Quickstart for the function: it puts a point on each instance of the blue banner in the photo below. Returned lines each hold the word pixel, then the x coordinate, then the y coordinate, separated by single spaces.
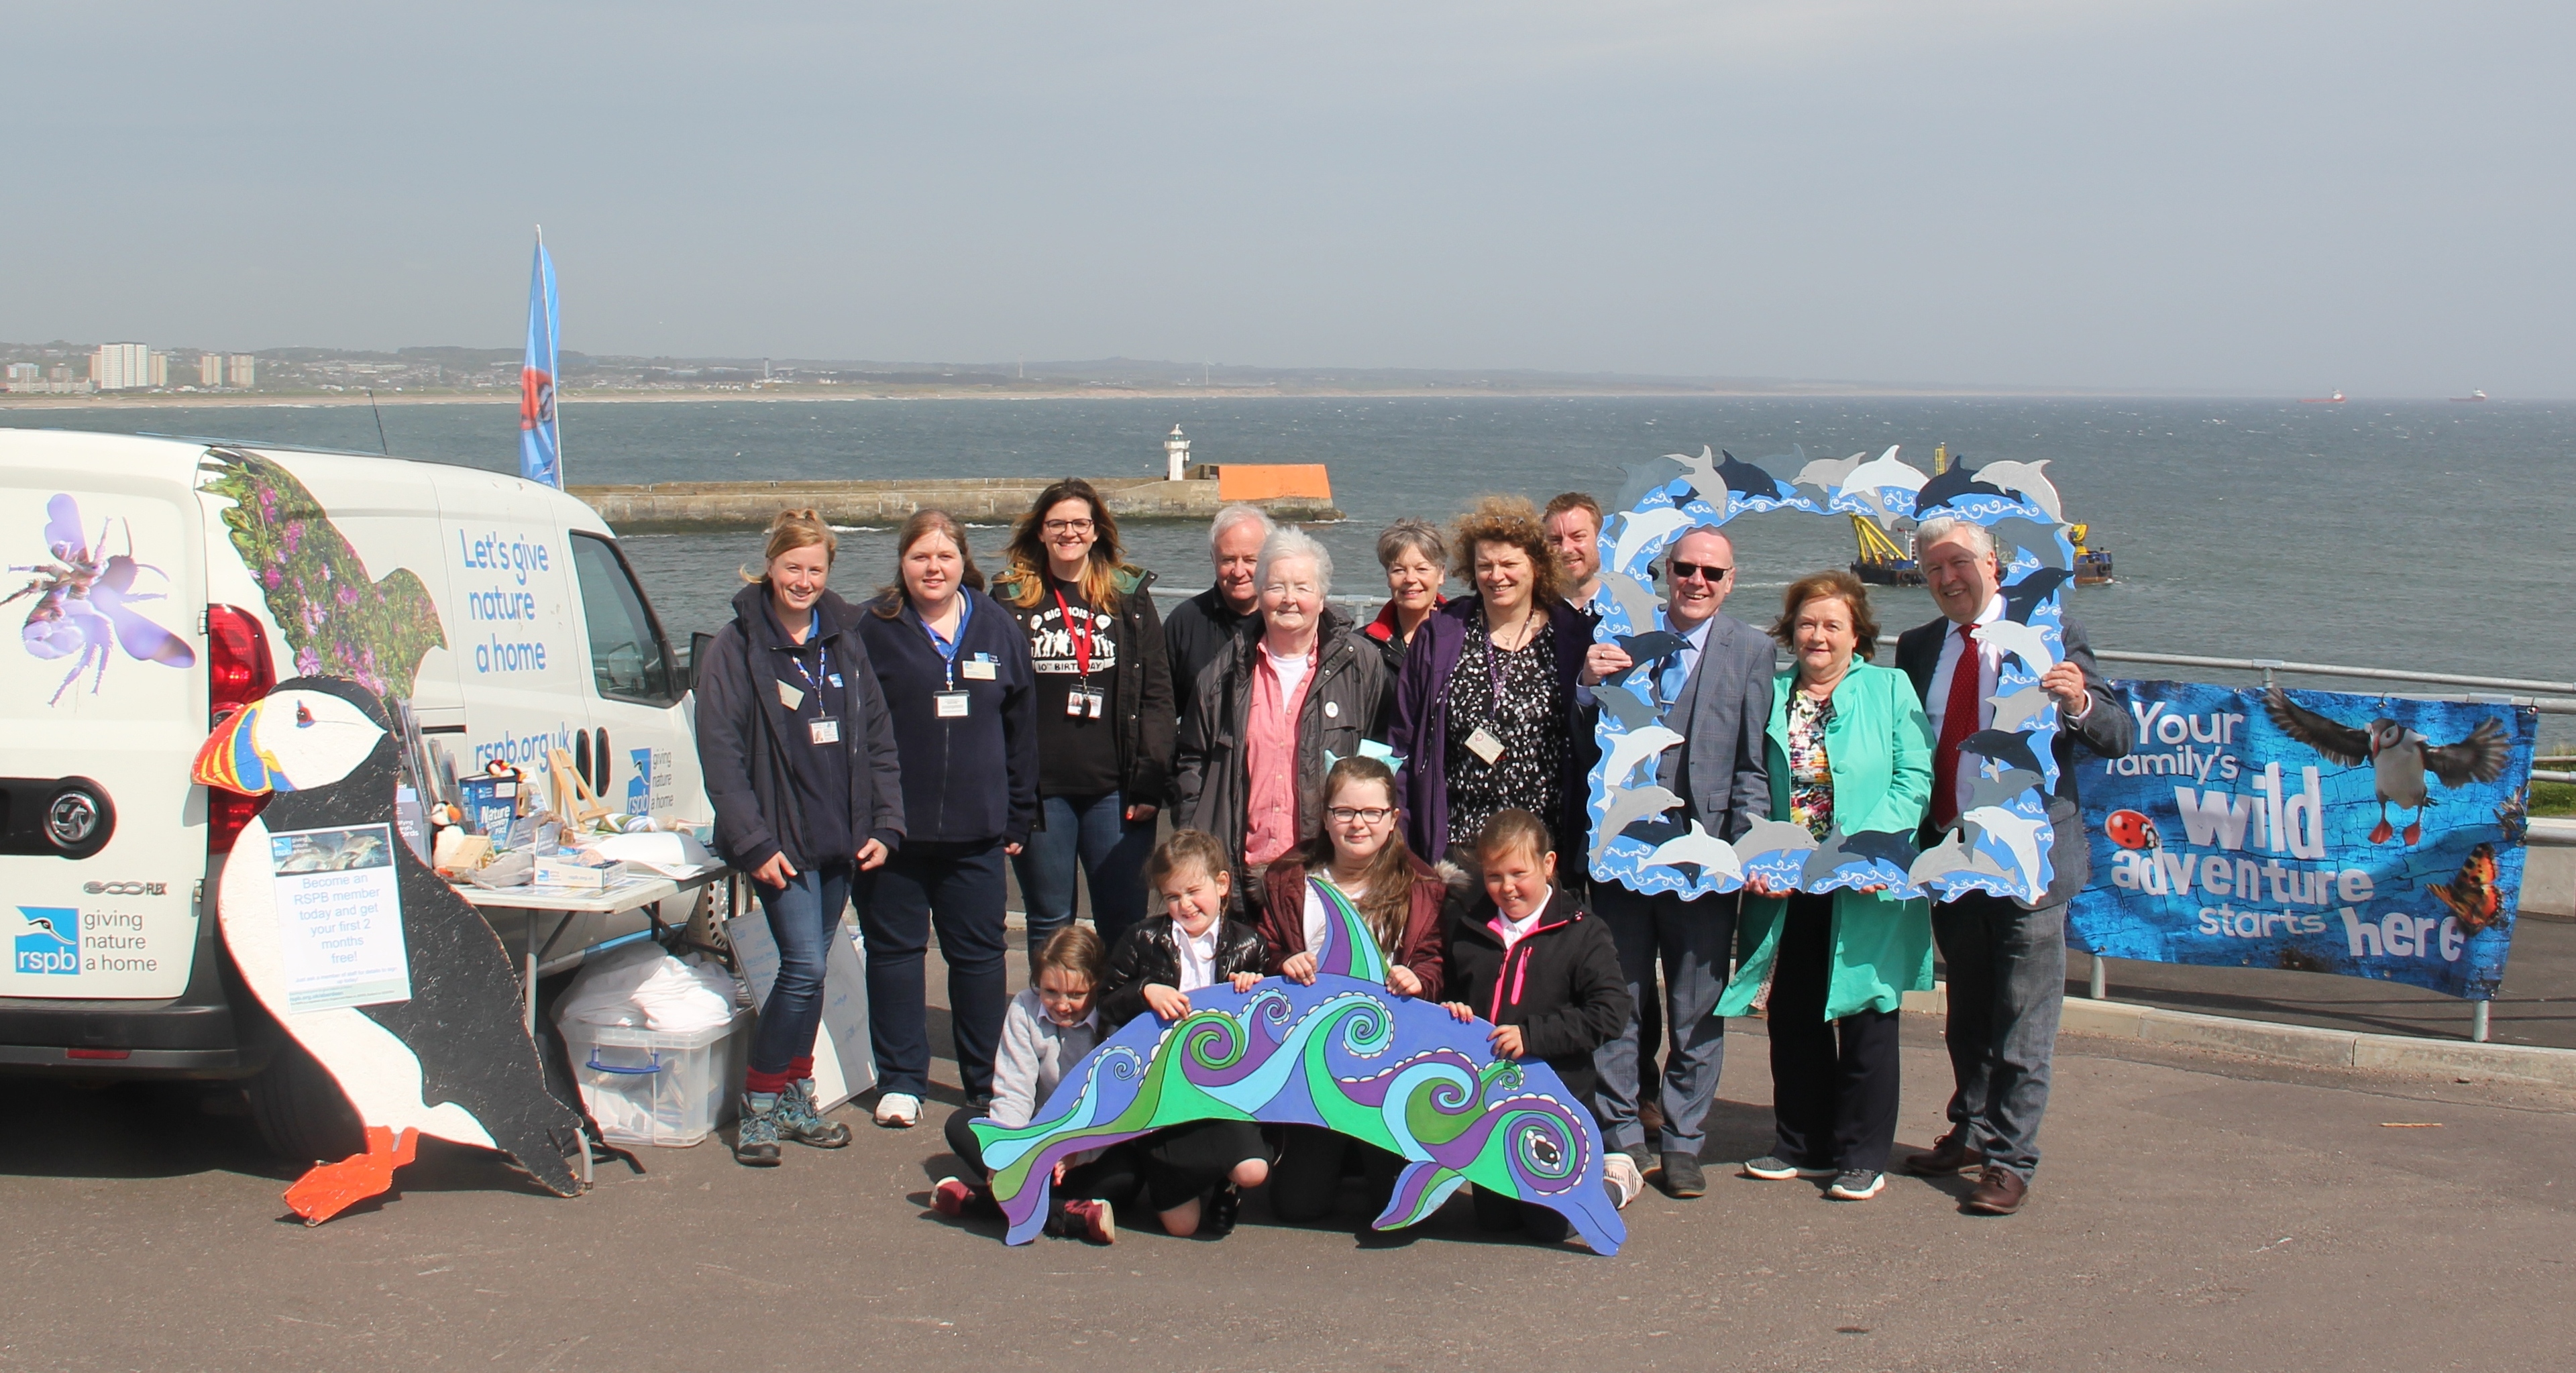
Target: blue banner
pixel 2366 836
pixel 540 445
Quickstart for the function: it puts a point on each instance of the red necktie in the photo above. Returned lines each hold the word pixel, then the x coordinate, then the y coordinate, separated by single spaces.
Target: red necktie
pixel 1958 721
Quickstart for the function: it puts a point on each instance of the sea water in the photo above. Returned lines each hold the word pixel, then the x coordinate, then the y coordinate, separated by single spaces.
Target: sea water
pixel 2420 535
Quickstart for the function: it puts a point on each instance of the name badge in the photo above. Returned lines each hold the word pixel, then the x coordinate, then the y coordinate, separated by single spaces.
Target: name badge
pixel 790 697
pixel 977 670
pixel 951 704
pixel 824 729
pixel 1485 746
pixel 1085 705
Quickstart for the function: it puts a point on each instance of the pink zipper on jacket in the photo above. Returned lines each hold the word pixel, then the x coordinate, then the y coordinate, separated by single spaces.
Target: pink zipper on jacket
pixel 1518 977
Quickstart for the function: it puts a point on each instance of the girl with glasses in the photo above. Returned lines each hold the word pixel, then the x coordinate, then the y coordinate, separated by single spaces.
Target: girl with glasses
pixel 1362 854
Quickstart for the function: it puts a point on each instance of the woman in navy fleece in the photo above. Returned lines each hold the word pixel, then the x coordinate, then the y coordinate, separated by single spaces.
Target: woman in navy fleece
pixel 954 667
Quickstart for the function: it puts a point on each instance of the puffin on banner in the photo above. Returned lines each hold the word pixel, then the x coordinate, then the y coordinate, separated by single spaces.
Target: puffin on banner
pixel 443 1054
pixel 540 441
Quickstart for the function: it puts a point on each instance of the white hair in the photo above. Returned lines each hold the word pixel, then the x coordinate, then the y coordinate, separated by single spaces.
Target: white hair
pixel 1238 513
pixel 1295 543
pixel 1940 527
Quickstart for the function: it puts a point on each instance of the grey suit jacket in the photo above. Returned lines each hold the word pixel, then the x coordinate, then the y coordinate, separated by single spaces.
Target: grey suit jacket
pixel 1720 771
pixel 2107 728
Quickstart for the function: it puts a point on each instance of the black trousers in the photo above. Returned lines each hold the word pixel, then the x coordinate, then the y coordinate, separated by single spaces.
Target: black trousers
pixel 1833 1083
pixel 1187 1161
pixel 1312 1162
pixel 1110 1177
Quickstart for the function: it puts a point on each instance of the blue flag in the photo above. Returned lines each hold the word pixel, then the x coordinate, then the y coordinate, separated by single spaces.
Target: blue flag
pixel 540 444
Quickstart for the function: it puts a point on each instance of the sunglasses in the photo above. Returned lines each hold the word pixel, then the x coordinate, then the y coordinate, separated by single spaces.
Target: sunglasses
pixel 1683 571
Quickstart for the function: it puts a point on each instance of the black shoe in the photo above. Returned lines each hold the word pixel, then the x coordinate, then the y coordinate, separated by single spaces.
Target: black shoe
pixel 1682 1176
pixel 1224 1208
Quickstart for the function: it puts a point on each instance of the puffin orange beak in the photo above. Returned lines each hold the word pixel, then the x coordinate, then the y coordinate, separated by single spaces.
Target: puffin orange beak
pixel 230 759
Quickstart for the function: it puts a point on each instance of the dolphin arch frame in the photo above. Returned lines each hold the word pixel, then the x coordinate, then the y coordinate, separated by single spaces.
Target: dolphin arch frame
pixel 2001 845
pixel 1345 1054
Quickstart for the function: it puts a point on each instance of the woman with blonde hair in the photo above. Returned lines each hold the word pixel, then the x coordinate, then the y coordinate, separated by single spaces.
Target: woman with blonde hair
pixel 798 752
pixel 1485 715
pixel 1104 707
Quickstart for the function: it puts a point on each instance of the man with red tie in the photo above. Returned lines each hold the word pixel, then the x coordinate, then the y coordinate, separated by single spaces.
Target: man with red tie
pixel 2006 958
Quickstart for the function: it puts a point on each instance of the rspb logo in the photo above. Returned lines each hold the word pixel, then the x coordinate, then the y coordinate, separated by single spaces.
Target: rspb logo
pixel 51 943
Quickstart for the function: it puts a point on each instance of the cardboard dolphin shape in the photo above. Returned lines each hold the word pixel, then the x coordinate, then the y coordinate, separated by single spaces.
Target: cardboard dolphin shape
pixel 1345 1054
pixel 2004 848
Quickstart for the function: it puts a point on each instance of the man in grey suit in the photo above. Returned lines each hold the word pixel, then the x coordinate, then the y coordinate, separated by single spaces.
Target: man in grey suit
pixel 2006 958
pixel 1716 693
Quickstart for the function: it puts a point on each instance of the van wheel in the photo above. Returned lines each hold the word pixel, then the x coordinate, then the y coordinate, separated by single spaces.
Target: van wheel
pixel 301 1114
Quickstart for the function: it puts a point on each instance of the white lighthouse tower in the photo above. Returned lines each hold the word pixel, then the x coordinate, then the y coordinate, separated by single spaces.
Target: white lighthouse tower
pixel 1176 452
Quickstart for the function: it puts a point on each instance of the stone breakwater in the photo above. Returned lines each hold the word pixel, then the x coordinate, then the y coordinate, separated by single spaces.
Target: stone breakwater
pixel 668 507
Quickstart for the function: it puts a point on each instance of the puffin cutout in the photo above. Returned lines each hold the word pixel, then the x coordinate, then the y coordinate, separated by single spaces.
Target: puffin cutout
pixel 454 1061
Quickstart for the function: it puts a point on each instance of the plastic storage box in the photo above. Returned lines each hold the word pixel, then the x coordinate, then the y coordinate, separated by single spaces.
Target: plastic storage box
pixel 647 1087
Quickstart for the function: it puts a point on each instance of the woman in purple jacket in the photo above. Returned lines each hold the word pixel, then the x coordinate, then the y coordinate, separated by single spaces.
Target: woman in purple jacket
pixel 1485 715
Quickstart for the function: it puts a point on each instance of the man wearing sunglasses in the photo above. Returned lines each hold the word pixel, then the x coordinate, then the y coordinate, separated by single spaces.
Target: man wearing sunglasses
pixel 1715 691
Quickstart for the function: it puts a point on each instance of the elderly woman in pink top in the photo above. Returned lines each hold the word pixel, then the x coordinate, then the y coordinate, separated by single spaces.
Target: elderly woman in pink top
pixel 1297 688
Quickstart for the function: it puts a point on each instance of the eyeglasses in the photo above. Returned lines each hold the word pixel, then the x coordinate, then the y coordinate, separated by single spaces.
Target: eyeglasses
pixel 1067 526
pixel 1683 571
pixel 1371 815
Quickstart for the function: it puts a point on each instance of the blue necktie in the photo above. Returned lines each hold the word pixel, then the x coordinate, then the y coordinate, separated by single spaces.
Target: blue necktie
pixel 1670 679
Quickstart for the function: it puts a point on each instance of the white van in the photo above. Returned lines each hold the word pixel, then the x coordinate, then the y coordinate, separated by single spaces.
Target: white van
pixel 164 582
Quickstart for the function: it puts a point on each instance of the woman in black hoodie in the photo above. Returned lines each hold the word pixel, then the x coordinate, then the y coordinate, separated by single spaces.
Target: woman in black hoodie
pixel 799 757
pixel 955 669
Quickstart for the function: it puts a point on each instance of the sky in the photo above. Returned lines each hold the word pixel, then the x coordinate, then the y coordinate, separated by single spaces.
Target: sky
pixel 2244 198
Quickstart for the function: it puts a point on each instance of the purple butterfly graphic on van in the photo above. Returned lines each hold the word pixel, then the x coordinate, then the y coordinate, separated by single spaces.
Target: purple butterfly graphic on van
pixel 86 599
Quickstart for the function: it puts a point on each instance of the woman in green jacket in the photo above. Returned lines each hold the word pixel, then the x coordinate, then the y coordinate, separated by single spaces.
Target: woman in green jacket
pixel 1851 751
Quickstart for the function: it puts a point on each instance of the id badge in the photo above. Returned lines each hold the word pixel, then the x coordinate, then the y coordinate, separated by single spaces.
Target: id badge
pixel 824 729
pixel 1485 746
pixel 1097 703
pixel 951 704
pixel 1074 702
pixel 977 669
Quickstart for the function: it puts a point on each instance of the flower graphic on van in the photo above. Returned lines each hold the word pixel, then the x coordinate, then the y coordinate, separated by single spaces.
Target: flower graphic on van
pixel 86 602
pixel 340 622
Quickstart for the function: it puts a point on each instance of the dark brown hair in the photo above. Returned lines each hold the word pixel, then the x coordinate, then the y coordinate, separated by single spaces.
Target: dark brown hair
pixel 1188 849
pixel 1029 556
pixel 1073 949
pixel 1512 830
pixel 1835 585
pixel 1508 520
pixel 927 521
pixel 1389 876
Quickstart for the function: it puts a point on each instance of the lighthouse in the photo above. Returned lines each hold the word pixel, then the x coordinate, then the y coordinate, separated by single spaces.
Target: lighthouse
pixel 1176 452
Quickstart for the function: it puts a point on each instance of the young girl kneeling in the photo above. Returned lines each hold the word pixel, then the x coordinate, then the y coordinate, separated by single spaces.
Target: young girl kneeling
pixel 1194 1174
pixel 1046 1030
pixel 1532 961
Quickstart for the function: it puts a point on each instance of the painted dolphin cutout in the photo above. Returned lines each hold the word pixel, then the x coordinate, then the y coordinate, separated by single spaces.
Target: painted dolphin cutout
pixel 1345 1054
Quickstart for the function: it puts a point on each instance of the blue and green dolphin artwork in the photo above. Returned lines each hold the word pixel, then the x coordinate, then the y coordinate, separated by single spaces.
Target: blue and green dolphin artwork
pixel 1345 1054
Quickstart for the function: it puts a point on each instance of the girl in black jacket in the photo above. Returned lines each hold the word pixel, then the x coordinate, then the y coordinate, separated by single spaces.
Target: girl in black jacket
pixel 799 757
pixel 955 670
pixel 1192 1172
pixel 1544 971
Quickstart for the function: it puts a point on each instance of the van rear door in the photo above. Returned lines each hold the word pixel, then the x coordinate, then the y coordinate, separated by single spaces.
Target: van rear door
pixel 641 752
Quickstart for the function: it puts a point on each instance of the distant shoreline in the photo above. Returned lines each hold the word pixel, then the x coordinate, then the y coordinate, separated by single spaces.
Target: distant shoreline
pixel 11 402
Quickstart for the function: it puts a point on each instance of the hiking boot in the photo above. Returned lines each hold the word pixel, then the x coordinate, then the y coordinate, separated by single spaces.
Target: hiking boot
pixel 1856 1184
pixel 755 1140
pixel 1092 1220
pixel 799 1121
pixel 1224 1208
pixel 1771 1168
pixel 1682 1175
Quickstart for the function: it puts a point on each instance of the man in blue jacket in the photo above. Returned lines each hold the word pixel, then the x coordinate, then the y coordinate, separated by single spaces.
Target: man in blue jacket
pixel 1716 693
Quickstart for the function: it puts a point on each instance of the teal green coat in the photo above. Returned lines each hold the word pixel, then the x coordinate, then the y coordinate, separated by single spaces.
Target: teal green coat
pixel 1880 747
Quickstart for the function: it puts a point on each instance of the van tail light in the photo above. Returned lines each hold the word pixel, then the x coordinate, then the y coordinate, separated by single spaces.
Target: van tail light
pixel 238 672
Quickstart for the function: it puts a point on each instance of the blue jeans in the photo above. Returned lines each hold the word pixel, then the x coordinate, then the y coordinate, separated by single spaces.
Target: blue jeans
pixel 958 888
pixel 804 918
pixel 1093 835
pixel 2007 973
pixel 1692 939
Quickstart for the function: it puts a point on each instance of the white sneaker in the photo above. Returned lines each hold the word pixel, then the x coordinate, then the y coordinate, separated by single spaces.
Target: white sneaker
pixel 1620 1175
pixel 898 1110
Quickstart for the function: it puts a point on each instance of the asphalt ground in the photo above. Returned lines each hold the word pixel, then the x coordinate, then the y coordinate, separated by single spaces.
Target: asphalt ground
pixel 2193 1211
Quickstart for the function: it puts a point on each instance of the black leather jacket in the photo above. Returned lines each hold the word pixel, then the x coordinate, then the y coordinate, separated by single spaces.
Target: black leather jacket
pixel 1149 953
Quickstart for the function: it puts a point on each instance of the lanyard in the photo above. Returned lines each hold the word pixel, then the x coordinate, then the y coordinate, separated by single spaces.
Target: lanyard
pixel 814 636
pixel 1494 658
pixel 948 647
pixel 1081 635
